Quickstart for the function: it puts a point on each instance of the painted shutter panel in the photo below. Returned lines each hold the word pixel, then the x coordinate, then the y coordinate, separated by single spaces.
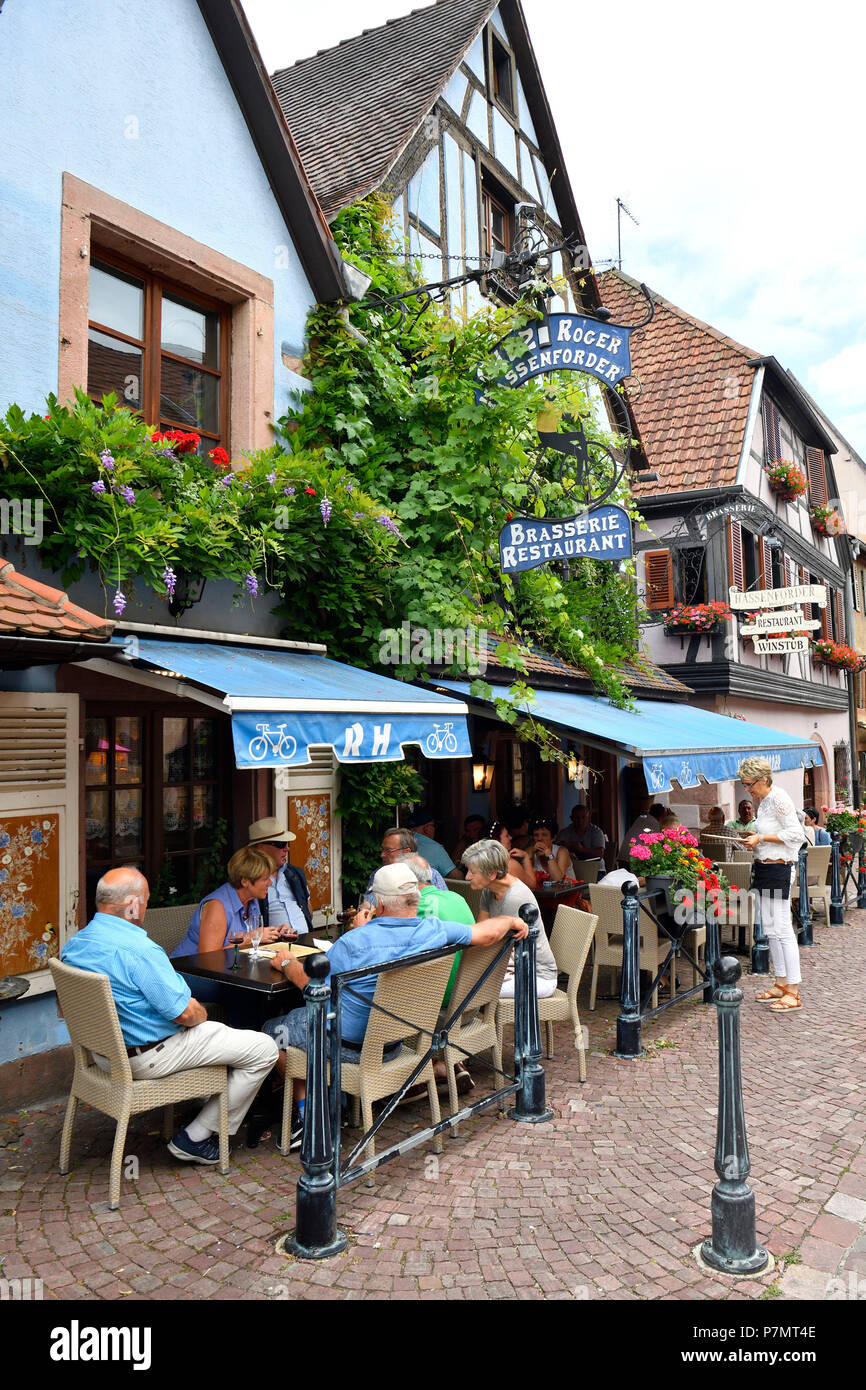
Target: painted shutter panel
pixel 39 814
pixel 817 475
pixel 659 572
pixel 736 559
pixel 855 590
pixel 824 615
pixel 840 615
pixel 772 431
pixel 765 557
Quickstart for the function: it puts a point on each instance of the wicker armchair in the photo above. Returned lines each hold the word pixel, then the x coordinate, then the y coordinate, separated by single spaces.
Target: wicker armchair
pixel 607 904
pixel 89 1011
pixel 817 865
pixel 474 1029
pixel 167 925
pixel 570 941
pixel 471 895
pixel 414 993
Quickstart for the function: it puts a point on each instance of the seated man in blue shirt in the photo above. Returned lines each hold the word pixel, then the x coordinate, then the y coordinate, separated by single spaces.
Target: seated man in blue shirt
pixel 164 1028
pixel 395 931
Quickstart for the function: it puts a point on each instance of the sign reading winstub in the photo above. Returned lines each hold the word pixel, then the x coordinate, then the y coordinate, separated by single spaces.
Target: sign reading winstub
pixel 773 646
pixel 601 534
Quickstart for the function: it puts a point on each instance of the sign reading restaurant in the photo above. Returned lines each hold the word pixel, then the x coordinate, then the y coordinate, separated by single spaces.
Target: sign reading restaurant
pixel 601 534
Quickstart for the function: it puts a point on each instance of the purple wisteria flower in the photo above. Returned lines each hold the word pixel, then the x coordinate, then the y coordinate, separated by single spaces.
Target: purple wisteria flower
pixel 169 579
pixel 271 478
pixel 126 493
pixel 227 480
pixel 251 584
pixel 355 515
pixel 118 603
pixel 325 509
pixel 168 454
pixel 350 487
pixel 97 488
pixel 106 459
pixel 389 525
pixel 288 492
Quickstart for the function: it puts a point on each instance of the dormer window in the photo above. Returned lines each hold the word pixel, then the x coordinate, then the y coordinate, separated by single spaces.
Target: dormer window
pixel 501 74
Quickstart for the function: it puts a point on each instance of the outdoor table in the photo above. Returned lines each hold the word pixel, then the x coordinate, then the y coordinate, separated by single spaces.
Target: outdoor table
pixel 549 895
pixel 270 989
pixel 12 987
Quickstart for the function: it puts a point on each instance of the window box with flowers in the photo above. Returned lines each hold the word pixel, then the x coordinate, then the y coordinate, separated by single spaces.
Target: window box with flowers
pixel 826 652
pixel 826 521
pixel 786 479
pixel 697 617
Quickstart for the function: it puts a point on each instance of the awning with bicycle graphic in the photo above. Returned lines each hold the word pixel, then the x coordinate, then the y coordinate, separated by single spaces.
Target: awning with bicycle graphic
pixel 285 702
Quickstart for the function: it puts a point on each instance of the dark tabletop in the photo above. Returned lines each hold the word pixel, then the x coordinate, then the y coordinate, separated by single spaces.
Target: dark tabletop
pixel 254 975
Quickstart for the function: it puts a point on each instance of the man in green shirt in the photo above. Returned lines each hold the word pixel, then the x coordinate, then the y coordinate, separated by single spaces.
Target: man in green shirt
pixel 448 907
pixel 745 822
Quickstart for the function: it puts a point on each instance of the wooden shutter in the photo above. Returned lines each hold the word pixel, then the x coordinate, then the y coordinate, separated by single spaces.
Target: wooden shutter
pixel 840 615
pixel 765 563
pixel 736 558
pixel 790 570
pixel 772 430
pixel 855 590
pixel 824 615
pixel 39 823
pixel 861 689
pixel 659 574
pixel 817 475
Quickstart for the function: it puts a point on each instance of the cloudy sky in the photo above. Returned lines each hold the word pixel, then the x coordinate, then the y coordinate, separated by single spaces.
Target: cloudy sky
pixel 732 132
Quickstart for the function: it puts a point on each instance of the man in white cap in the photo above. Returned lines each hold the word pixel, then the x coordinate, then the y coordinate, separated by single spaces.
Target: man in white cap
pixel 288 900
pixel 387 932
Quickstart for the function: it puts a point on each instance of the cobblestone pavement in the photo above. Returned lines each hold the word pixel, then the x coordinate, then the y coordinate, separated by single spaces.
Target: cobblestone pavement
pixel 606 1201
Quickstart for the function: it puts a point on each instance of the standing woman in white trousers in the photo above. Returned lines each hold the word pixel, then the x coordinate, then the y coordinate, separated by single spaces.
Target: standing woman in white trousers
pixel 775 845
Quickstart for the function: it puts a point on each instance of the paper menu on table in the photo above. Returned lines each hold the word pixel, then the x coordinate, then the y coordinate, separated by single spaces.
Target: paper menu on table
pixel 322 945
pixel 270 951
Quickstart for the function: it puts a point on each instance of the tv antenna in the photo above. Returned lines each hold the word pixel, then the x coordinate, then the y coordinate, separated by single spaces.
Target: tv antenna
pixel 620 209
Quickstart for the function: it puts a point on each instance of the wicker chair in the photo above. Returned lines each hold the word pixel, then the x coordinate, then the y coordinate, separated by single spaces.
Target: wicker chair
pixel 89 1011
pixel 817 865
pixel 587 869
pixel 474 1030
pixel 471 895
pixel 414 993
pixel 607 905
pixel 570 941
pixel 167 925
pixel 739 875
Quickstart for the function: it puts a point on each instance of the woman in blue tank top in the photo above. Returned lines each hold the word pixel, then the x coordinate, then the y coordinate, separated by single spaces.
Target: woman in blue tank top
pixel 232 909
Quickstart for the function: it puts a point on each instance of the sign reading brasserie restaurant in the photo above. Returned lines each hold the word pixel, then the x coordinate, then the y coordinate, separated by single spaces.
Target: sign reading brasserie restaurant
pixel 602 534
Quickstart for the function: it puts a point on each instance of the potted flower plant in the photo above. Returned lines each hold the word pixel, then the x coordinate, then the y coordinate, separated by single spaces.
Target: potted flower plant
pixel 696 617
pixel 670 859
pixel 826 521
pixel 786 479
pixel 829 653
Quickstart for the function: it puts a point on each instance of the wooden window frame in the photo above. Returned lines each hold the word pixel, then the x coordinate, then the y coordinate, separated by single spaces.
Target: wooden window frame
pixel 508 109
pixel 490 198
pixel 153 353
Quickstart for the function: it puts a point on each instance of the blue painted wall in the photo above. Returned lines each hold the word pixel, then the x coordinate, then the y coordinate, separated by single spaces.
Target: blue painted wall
pixel 28 1026
pixel 132 98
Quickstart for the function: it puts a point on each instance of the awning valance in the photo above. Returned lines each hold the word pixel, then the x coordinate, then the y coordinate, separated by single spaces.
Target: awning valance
pixel 675 743
pixel 283 703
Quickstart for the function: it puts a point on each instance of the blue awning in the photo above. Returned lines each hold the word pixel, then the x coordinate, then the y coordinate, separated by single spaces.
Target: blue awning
pixel 676 743
pixel 283 703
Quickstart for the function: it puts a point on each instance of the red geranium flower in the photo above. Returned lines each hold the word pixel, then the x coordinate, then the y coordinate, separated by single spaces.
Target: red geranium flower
pixel 310 490
pixel 220 457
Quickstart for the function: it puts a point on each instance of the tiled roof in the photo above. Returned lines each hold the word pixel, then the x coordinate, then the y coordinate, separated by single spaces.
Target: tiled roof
pixel 31 609
pixel 692 401
pixel 352 109
pixel 642 676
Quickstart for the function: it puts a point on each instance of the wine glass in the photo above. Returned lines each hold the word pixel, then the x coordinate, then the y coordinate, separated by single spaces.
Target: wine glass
pixel 236 938
pixel 256 930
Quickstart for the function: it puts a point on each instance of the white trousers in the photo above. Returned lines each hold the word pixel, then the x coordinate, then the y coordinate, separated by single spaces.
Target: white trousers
pixel 784 951
pixel 248 1055
pixel 543 988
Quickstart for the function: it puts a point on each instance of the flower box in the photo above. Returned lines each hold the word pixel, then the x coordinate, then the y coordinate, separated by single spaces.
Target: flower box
pixel 786 479
pixel 844 658
pixel 696 617
pixel 826 521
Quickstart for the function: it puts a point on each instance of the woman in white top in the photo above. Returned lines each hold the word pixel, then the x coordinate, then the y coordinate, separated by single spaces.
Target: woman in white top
pixel 548 858
pixel 775 844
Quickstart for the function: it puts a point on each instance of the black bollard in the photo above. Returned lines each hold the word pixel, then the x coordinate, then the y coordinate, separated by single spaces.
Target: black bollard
pixel 531 1107
pixel 733 1246
pixel 712 948
pixel 760 944
pixel 316 1235
pixel 861 876
pixel 628 1026
pixel 804 934
pixel 837 907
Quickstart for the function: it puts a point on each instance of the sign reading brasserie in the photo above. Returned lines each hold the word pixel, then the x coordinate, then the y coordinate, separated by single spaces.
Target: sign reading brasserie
pixel 602 534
